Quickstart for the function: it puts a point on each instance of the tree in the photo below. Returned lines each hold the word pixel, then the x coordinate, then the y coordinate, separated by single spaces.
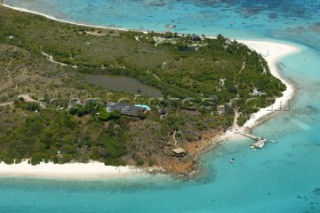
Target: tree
pixel 142 116
pixel 74 110
pixel 31 106
pixel 107 116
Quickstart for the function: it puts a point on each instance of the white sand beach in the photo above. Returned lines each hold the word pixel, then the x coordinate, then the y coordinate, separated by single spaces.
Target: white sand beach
pixel 80 171
pixel 271 51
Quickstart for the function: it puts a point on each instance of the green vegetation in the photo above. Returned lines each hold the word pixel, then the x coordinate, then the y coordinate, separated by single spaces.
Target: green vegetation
pixel 60 138
pixel 106 116
pixel 185 68
pixel 31 106
pixel 140 163
pixel 209 72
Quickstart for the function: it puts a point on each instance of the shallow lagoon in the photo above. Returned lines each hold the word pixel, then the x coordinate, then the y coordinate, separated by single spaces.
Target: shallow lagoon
pixel 282 177
pixel 123 84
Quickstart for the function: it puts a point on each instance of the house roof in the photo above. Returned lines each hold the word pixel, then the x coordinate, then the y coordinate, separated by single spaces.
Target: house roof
pixel 179 150
pixel 125 109
pixel 163 111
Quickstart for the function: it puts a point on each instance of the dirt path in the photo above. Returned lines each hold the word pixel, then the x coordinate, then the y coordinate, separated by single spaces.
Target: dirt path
pixel 50 58
pixel 27 98
pixel 6 104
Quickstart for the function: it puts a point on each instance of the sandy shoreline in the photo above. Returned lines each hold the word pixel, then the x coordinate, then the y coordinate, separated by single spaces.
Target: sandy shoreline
pixel 272 52
pixel 80 171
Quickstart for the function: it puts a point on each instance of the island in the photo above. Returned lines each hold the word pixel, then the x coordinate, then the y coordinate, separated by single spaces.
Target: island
pixel 51 112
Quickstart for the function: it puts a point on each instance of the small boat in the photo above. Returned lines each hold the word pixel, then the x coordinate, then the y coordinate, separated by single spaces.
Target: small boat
pixel 272 141
pixel 232 23
pixel 232 160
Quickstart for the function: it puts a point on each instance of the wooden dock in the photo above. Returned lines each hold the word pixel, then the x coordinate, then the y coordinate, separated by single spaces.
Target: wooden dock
pixel 259 141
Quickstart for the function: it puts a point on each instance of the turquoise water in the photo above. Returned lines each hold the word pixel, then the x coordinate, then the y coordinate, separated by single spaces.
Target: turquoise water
pixel 282 177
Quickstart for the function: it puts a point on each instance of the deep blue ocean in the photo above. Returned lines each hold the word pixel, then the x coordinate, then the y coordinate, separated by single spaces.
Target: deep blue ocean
pixel 282 177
